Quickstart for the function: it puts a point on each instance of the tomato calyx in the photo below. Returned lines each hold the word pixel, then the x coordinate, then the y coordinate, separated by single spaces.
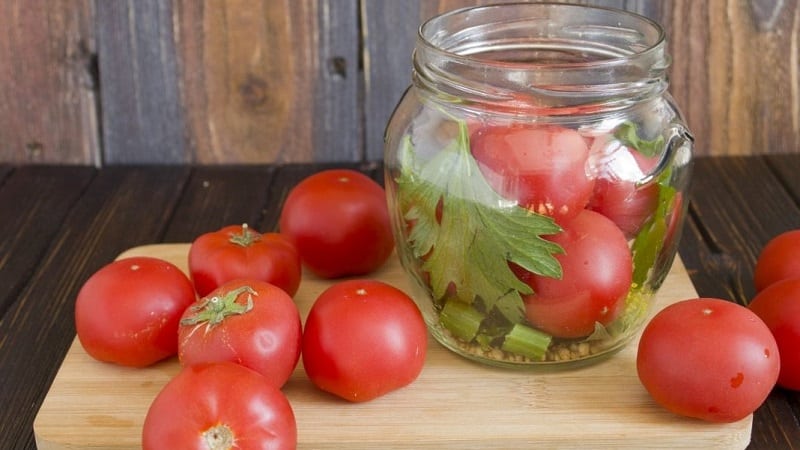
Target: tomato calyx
pixel 214 309
pixel 247 238
pixel 219 437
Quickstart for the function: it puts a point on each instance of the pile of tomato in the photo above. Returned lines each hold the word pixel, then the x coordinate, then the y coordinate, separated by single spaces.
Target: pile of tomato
pixel 239 336
pixel 594 211
pixel 236 330
pixel 717 360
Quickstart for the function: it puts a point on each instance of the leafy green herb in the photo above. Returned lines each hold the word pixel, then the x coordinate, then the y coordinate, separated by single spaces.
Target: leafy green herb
pixel 470 243
pixel 627 134
pixel 650 239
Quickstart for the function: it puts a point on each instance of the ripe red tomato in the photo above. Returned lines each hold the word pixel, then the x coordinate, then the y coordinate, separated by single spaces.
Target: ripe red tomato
pixel 219 405
pixel 778 305
pixel 238 251
pixel 339 221
pixel 616 192
pixel 249 322
pixel 544 168
pixel 778 259
pixel 708 358
pixel 363 339
pixel 597 273
pixel 128 311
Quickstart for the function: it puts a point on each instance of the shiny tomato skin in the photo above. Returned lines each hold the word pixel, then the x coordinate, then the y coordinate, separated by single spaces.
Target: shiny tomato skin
pixel 128 311
pixel 709 359
pixel 265 338
pixel 363 339
pixel 617 194
pixel 597 273
pixel 238 251
pixel 778 305
pixel 339 221
pixel 543 168
pixel 219 402
pixel 778 259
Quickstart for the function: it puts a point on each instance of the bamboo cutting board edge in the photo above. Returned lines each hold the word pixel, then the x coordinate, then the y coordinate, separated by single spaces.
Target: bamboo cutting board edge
pixel 454 403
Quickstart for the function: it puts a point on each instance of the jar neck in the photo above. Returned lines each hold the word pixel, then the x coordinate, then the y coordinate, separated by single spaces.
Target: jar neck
pixel 543 59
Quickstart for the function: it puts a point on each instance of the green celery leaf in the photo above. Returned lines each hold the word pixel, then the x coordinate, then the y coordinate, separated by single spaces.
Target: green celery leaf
pixel 628 135
pixel 650 240
pixel 479 234
pixel 648 243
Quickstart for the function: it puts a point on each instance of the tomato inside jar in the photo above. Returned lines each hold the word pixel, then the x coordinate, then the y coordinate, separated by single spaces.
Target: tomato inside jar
pixel 536 214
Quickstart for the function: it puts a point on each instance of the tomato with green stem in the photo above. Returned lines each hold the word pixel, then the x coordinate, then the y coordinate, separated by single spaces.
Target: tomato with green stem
pixel 239 251
pixel 249 322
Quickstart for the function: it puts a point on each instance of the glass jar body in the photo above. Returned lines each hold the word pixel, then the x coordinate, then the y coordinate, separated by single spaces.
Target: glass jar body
pixel 537 181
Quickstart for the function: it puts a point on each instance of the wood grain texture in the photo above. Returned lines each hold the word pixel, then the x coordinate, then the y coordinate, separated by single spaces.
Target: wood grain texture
pixel 118 209
pixel 737 205
pixel 259 81
pixel 218 196
pixel 47 83
pixel 454 404
pixel 389 32
pixel 746 194
pixel 142 115
pixel 270 81
pixel 32 219
pixel 787 170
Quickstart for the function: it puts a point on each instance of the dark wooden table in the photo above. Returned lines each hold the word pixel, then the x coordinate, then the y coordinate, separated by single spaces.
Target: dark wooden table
pixel 60 224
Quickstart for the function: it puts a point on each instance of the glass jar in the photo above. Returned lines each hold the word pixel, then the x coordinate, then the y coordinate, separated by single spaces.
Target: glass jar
pixel 536 172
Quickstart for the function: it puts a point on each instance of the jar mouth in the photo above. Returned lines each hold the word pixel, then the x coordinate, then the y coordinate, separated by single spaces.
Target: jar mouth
pixel 553 54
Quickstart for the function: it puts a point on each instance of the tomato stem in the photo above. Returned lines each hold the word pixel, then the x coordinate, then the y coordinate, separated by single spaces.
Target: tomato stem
pixel 214 309
pixel 247 238
pixel 219 437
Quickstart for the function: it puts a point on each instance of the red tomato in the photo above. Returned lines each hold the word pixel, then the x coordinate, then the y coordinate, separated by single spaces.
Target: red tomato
pixel 708 358
pixel 616 194
pixel 778 305
pixel 219 406
pixel 339 221
pixel 597 273
pixel 238 251
pixel 128 311
pixel 249 322
pixel 363 339
pixel 544 168
pixel 778 259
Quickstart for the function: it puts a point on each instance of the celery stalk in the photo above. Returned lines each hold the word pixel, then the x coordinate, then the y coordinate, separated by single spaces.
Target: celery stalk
pixel 461 319
pixel 526 341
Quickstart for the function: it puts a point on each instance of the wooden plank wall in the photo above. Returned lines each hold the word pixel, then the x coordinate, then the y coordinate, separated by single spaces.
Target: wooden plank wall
pixel 254 81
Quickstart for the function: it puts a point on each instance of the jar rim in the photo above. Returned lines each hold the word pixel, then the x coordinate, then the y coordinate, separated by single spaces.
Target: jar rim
pixel 545 58
pixel 430 34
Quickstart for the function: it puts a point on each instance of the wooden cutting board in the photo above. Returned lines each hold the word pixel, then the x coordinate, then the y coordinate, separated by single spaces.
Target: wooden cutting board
pixel 454 403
